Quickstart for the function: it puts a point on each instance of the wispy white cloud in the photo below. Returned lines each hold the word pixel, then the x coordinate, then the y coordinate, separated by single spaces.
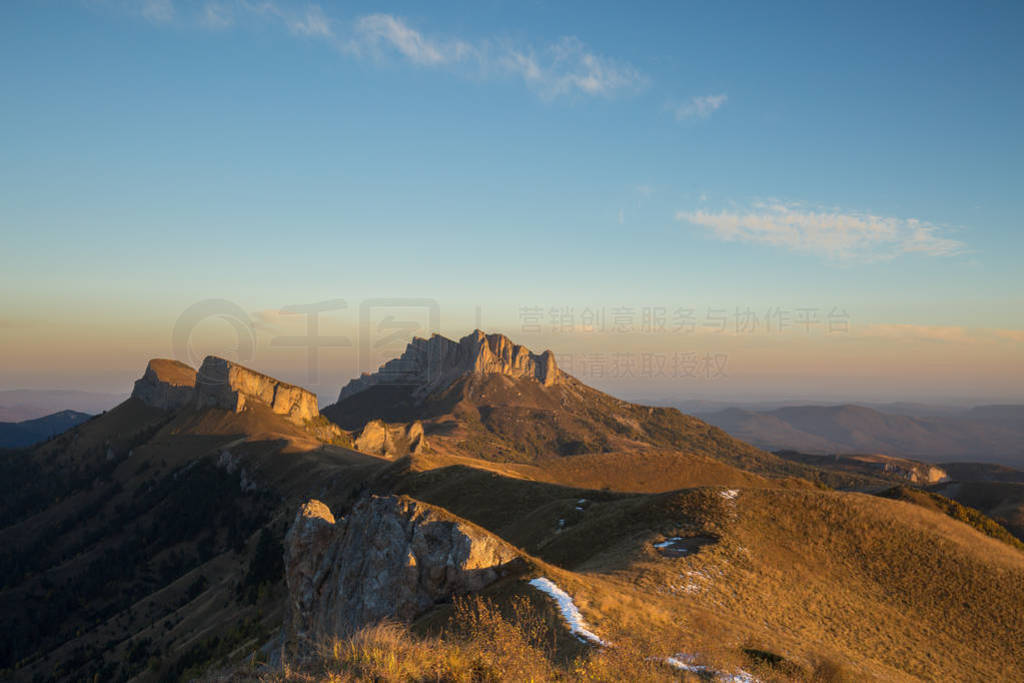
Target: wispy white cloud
pixel 844 235
pixel 217 15
pixel 312 22
pixel 377 33
pixel 158 11
pixel 564 67
pixel 699 107
pixel 569 66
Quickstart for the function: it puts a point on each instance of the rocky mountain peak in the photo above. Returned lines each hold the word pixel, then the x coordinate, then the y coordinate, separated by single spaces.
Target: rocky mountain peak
pixel 430 364
pixel 224 384
pixel 220 383
pixel 166 384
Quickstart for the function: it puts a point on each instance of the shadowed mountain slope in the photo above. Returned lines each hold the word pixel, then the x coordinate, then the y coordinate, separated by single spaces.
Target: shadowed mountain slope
pixel 478 401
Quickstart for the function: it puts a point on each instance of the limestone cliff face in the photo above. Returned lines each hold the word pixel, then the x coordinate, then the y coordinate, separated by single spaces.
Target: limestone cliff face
pixel 170 385
pixel 166 384
pixel 914 472
pixel 223 384
pixel 394 440
pixel 928 474
pixel 390 558
pixel 431 364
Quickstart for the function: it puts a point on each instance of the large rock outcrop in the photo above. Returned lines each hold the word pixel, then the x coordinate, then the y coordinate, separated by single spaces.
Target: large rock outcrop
pixel 389 558
pixel 219 383
pixel 166 384
pixel 430 364
pixel 392 440
pixel 223 384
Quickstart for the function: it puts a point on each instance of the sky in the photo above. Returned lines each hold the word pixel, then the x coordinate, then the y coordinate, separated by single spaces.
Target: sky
pixel 717 200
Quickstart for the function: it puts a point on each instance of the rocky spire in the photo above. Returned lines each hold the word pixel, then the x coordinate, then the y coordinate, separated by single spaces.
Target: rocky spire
pixel 431 364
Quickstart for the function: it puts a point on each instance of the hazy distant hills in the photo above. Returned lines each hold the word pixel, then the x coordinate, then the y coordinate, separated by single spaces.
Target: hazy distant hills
pixel 28 432
pixel 17 405
pixel 983 433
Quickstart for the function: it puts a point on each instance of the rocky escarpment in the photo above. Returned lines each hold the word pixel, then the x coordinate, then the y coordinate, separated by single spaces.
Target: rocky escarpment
pixel 223 384
pixel 166 384
pixel 394 440
pixel 170 385
pixel 431 364
pixel 918 473
pixel 389 558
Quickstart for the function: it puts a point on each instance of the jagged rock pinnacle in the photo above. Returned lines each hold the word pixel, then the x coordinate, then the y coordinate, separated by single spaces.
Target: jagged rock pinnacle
pixel 430 364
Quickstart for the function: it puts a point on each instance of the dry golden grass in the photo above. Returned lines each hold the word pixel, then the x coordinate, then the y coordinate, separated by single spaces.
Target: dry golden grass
pixel 800 583
pixel 827 580
pixel 481 642
pixel 640 471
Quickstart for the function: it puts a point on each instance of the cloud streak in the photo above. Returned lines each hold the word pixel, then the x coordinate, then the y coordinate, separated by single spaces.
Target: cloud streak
pixel 841 235
pixel 561 68
pixel 565 67
pixel 216 15
pixel 941 333
pixel 930 333
pixel 158 11
pixel 312 22
pixel 700 107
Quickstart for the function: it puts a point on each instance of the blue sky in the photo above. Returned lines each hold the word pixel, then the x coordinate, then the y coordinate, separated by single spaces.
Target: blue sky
pixel 857 155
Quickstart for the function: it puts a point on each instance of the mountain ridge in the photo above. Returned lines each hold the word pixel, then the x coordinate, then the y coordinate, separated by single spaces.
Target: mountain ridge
pixel 150 542
pixel 432 364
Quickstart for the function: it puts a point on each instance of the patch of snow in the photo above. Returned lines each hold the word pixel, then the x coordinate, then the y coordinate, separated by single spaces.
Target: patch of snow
pixel 684 662
pixel 579 508
pixel 729 494
pixel 581 501
pixel 669 543
pixel 567 608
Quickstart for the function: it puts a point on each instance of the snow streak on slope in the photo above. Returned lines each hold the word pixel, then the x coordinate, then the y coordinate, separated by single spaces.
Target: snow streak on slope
pixel 568 609
pixel 684 662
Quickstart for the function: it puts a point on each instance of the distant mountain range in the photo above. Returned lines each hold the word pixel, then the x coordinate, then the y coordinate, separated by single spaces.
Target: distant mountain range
pixel 28 432
pixel 983 433
pixel 17 405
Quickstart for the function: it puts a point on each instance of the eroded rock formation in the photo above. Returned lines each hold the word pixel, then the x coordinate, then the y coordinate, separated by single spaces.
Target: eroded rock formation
pixel 395 440
pixel 430 364
pixel 390 558
pixel 223 384
pixel 219 383
pixel 166 384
